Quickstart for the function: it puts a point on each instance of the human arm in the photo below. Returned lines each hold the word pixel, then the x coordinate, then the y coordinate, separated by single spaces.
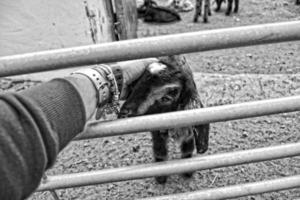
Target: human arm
pixel 39 122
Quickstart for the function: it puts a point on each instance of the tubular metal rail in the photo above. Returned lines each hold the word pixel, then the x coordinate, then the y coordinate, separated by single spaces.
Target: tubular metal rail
pixel 170 167
pixel 191 117
pixel 236 190
pixel 150 47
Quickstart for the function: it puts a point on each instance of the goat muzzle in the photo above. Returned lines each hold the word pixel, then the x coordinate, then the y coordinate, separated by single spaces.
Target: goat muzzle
pixel 124 113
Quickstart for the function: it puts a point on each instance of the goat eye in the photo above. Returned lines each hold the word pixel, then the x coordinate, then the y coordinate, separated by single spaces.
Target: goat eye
pixel 173 92
pixel 166 99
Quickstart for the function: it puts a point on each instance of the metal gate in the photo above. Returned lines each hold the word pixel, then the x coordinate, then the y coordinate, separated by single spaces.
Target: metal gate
pixel 170 45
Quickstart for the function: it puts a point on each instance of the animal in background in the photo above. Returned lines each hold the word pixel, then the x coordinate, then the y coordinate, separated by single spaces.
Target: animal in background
pixel 229 6
pixel 151 12
pixel 166 86
pixel 182 5
pixel 206 10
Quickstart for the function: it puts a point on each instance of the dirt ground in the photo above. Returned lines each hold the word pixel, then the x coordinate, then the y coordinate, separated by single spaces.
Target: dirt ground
pixel 222 77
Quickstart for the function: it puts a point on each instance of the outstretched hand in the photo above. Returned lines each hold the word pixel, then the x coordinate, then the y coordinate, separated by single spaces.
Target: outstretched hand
pixel 132 70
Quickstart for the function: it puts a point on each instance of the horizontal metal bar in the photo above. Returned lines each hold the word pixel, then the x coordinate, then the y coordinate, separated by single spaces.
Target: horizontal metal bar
pixel 235 191
pixel 150 47
pixel 170 167
pixel 191 117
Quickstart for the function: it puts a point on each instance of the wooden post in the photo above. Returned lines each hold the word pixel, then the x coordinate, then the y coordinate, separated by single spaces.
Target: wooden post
pixel 44 25
pixel 126 16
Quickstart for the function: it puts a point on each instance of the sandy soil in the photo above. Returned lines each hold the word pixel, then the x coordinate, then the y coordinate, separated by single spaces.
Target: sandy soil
pixel 223 77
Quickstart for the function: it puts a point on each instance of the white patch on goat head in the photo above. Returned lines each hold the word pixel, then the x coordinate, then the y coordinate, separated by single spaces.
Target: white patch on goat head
pixel 154 95
pixel 156 67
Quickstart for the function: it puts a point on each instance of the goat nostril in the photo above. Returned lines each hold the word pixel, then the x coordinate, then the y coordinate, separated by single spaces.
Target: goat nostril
pixel 122 116
pixel 124 113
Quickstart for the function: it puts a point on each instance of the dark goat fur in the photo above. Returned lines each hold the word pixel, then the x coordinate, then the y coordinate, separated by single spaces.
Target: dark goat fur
pixel 176 84
pixel 229 6
pixel 151 12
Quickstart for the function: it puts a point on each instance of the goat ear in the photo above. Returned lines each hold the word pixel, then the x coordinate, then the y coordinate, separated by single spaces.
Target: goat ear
pixel 190 99
pixel 201 135
pixel 201 132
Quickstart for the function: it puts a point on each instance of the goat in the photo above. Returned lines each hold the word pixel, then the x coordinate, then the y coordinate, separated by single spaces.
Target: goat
pixel 151 12
pixel 229 6
pixel 167 86
pixel 198 10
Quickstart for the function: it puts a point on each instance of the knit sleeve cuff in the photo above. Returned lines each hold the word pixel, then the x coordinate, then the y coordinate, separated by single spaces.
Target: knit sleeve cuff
pixel 62 106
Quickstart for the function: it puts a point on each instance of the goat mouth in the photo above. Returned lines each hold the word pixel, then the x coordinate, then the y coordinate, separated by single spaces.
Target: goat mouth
pixel 126 114
pixel 121 115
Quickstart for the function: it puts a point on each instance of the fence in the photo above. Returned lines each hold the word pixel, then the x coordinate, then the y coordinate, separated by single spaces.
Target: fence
pixel 150 47
pixel 191 117
pixel 168 45
pixel 170 167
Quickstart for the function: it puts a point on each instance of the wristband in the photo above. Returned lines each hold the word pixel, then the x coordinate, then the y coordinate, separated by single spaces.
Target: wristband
pixel 100 83
pixel 108 81
pixel 117 71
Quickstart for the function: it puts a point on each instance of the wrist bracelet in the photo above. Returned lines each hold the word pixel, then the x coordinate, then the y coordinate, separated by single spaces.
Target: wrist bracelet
pixel 117 71
pixel 108 81
pixel 99 82
pixel 107 72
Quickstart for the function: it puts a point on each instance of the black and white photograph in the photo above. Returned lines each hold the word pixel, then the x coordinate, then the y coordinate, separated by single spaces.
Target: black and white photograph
pixel 149 99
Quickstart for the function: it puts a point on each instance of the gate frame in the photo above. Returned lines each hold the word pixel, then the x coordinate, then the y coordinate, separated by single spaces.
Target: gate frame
pixel 170 45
